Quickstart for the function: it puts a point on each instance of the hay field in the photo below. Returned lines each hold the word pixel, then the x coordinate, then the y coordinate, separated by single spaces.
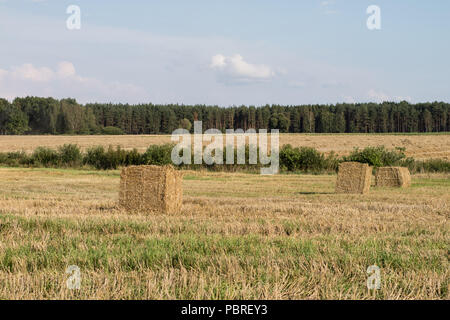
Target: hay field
pixel 239 236
pixel 420 146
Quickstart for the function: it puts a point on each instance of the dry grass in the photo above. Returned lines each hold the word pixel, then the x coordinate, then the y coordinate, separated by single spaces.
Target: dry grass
pixel 419 146
pixel 237 236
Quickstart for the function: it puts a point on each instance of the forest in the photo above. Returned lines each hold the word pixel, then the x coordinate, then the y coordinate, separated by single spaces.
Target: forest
pixel 37 115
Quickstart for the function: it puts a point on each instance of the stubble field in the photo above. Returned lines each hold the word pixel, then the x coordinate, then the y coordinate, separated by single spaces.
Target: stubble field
pixel 238 236
pixel 419 146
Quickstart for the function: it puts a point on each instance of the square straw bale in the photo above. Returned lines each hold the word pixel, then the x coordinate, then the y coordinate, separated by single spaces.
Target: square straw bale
pixel 151 189
pixel 397 177
pixel 354 177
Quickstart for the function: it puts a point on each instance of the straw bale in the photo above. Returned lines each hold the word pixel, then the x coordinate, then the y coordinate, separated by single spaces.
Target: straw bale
pixel 353 177
pixel 151 189
pixel 398 177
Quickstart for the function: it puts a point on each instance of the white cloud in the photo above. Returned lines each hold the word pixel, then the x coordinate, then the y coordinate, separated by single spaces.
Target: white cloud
pixel 380 96
pixel 3 73
pixel 328 7
pixel 218 61
pixel 235 68
pixel 66 69
pixel 29 72
pixel 63 81
pixel 348 99
pixel 41 74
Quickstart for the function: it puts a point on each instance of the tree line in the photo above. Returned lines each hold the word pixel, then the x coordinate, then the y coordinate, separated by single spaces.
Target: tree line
pixel 36 115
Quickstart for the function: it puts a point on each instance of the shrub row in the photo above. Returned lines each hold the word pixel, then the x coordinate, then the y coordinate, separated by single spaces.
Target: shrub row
pixel 308 160
pixel 303 159
pixel 378 156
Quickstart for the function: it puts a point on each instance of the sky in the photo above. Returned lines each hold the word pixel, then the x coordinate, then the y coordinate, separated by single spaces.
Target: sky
pixel 252 52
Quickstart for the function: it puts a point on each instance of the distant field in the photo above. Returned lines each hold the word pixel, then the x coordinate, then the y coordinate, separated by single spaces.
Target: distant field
pixel 420 146
pixel 238 236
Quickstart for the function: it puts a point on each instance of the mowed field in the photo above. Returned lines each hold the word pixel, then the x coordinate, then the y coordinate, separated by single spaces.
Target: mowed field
pixel 238 236
pixel 419 146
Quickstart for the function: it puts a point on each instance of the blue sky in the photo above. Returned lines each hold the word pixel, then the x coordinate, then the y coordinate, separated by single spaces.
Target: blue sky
pixel 252 52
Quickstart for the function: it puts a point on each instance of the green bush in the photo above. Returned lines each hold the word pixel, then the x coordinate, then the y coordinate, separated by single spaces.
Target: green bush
pixel 95 157
pixel 70 155
pixel 46 157
pixel 133 158
pixel 289 158
pixel 16 159
pixel 236 166
pixel 307 160
pixel 332 162
pixel 378 156
pixel 304 159
pixel 158 155
pixel 311 160
pixel 112 158
pixel 431 165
